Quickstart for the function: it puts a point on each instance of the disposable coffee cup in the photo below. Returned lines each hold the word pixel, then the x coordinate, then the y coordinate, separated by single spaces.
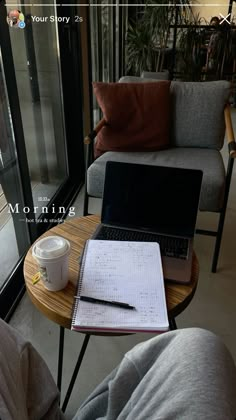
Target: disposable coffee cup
pixel 52 255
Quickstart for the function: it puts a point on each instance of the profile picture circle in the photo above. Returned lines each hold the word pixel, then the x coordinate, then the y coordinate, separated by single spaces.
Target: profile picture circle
pixel 21 25
pixel 15 18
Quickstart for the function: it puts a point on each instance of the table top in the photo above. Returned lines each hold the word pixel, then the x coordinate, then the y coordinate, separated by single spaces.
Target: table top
pixel 57 306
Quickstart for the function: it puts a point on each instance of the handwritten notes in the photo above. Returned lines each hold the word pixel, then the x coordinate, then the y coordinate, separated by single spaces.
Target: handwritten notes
pixel 129 272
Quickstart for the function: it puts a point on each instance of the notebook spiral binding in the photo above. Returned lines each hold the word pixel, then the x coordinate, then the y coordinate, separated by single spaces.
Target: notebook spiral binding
pixel 80 281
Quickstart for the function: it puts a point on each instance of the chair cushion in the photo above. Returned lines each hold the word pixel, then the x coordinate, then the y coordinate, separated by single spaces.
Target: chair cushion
pixel 130 110
pixel 198 113
pixel 208 160
pixel 197 117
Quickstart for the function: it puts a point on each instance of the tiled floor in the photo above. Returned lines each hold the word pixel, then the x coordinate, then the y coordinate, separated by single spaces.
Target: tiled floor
pixel 213 307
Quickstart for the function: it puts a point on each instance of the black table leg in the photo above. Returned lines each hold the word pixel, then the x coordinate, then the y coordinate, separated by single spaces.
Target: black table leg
pixel 172 324
pixel 75 373
pixel 60 357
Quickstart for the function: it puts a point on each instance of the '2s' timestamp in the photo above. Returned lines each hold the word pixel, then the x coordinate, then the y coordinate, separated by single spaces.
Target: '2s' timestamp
pixel 78 19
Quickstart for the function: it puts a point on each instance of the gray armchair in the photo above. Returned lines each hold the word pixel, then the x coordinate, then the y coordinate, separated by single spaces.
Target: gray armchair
pixel 199 116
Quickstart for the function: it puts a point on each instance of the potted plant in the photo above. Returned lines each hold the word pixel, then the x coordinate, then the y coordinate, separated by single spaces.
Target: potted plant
pixel 149 37
pixel 192 51
pixel 206 51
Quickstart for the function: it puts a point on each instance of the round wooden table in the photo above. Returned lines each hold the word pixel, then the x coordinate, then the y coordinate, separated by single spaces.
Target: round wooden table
pixel 57 306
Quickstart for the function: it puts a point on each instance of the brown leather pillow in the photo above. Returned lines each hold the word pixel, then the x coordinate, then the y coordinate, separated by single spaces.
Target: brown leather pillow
pixel 137 116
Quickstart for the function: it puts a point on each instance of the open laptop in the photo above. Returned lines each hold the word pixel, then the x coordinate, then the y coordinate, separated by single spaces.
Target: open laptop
pixel 153 203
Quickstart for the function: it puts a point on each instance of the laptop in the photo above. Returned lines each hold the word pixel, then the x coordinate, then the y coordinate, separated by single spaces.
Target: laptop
pixel 153 204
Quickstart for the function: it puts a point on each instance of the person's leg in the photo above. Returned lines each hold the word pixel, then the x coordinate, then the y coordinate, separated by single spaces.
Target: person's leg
pixel 27 389
pixel 183 374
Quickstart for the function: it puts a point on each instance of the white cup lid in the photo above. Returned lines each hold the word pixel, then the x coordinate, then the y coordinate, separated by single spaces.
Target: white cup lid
pixel 52 246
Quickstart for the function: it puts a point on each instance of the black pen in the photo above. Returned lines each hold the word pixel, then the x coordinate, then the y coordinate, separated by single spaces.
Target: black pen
pixel 105 302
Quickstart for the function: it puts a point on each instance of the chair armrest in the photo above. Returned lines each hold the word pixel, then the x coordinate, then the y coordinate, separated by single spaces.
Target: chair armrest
pixel 230 132
pixel 91 136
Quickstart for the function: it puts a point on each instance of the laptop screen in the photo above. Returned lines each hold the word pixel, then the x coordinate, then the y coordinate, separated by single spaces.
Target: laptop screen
pixel 153 198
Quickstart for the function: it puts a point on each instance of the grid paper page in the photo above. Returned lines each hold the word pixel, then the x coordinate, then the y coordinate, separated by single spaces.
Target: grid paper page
pixel 129 272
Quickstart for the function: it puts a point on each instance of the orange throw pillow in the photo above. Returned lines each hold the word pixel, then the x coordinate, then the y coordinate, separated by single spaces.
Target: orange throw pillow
pixel 137 116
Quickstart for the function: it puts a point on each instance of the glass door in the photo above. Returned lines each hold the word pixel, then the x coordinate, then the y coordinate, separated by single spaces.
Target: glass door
pixel 36 57
pixel 41 134
pixel 14 234
pixel 108 25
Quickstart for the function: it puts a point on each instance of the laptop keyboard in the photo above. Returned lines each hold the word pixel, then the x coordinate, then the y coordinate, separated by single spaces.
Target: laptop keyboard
pixel 170 246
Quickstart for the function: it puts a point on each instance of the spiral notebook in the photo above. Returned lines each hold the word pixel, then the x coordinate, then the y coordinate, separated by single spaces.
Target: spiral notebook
pixel 129 272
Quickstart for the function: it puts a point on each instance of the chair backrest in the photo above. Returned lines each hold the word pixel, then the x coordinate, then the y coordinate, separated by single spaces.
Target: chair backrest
pixel 197 112
pixel 160 75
